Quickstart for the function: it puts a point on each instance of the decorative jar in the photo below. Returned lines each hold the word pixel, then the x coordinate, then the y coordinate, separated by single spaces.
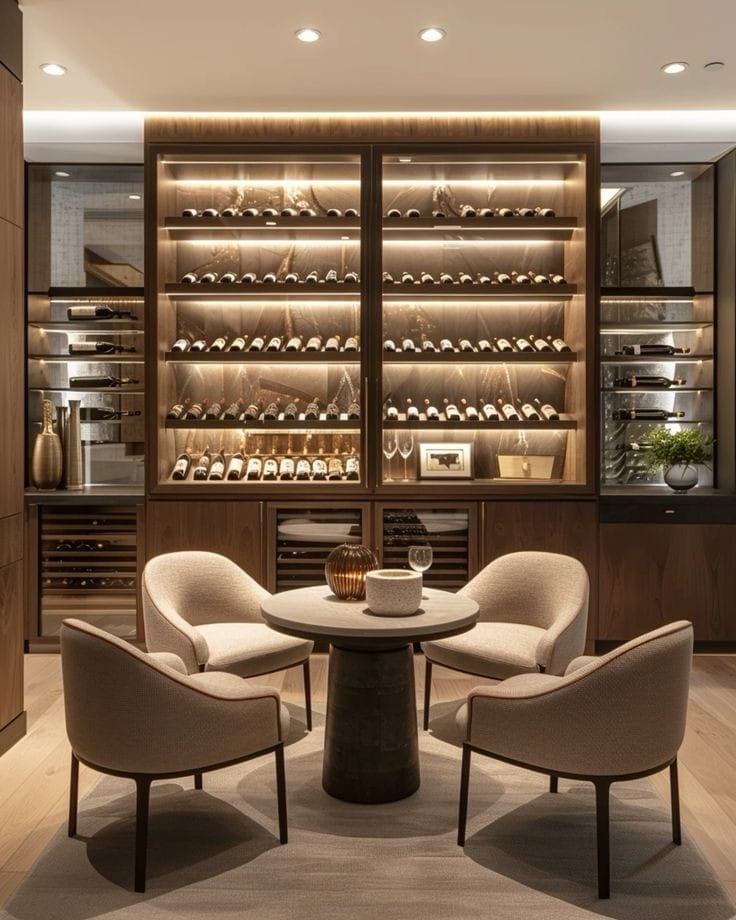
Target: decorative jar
pixel 393 592
pixel 346 568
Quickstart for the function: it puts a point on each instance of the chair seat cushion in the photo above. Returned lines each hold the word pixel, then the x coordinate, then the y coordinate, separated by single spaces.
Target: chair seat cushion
pixel 249 649
pixel 497 650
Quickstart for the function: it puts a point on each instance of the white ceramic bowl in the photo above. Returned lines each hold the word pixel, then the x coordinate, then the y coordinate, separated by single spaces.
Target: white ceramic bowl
pixel 393 592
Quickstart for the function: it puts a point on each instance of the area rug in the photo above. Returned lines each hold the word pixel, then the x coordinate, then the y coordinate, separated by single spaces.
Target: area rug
pixel 214 853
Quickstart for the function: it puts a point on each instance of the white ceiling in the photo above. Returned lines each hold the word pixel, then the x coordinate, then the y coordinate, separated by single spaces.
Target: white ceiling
pixel 241 55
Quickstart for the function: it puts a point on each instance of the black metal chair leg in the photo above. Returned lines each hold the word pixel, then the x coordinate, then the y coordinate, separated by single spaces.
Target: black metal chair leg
pixel 427 691
pixel 602 809
pixel 675 798
pixel 143 795
pixel 281 793
pixel 462 818
pixel 308 694
pixel 554 783
pixel 73 796
pixel 198 781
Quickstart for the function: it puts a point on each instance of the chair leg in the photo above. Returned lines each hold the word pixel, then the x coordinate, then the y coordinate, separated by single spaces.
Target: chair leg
pixel 427 690
pixel 281 793
pixel 462 818
pixel 143 795
pixel 675 798
pixel 308 694
pixel 73 796
pixel 602 802
pixel 197 780
pixel 553 783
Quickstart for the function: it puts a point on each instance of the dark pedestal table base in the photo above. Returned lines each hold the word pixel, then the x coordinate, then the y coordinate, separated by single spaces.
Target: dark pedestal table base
pixel 371 746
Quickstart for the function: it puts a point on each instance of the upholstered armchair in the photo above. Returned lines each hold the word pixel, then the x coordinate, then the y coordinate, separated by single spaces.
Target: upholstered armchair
pixel 207 610
pixel 618 717
pixel 533 617
pixel 143 717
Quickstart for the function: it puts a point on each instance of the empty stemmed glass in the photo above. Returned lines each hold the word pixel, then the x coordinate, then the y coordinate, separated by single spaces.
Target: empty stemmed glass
pixel 390 446
pixel 420 558
pixel 406 447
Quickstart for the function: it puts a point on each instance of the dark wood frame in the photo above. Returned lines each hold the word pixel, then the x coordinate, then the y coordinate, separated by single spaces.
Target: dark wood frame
pixel 602 801
pixel 143 788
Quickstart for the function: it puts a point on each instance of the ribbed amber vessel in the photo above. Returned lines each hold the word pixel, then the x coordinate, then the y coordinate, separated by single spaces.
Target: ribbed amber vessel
pixel 346 568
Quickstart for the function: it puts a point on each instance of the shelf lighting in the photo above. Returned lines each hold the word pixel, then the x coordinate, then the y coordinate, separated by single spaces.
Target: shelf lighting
pixel 454 242
pixel 482 183
pixel 677 173
pixel 262 242
pixel 234 180
pixel 646 299
pixel 61 174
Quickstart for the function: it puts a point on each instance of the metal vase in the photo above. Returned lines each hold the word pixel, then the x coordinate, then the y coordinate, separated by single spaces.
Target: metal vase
pixel 61 423
pixel 46 458
pixel 73 457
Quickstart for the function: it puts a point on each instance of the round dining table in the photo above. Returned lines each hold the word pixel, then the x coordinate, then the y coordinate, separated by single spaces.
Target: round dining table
pixel 371 751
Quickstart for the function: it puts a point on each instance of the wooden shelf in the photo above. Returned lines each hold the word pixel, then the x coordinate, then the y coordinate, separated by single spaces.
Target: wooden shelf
pixel 655 359
pixel 96 293
pixel 263 425
pixel 654 326
pixel 479 357
pixel 115 391
pixel 565 422
pixel 648 293
pixel 462 292
pixel 456 229
pixel 91 327
pixel 244 228
pixel 262 357
pixel 667 390
pixel 260 291
pixel 88 359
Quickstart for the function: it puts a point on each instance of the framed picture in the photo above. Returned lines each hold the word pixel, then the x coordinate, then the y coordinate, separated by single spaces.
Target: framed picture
pixel 445 461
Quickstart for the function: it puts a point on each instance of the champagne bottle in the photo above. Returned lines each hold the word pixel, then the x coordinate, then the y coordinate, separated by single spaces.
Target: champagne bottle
pixel 646 414
pixel 98 382
pixel 238 343
pixel 314 343
pixel 390 411
pixel 648 380
pixel 334 467
pixel 235 466
pixel 508 411
pixel 354 410
pixel 179 345
pixel 446 345
pixel 466 345
pixel 312 411
pixel 331 276
pixel 524 212
pixel 452 413
pixel 428 345
pixel 257 343
pixel 332 343
pixel 528 410
pixel 178 409
pixel 214 411
pixel 654 349
pixel 352 467
pixel 201 470
pixel 332 413
pixel 431 412
pixel 490 412
pixel 558 344
pixel 286 468
pixel 252 413
pixel 98 311
pixel 294 343
pixel 502 344
pixel 102 348
pixel 199 345
pixel 485 345
pixel 270 469
pixel 412 413
pixel 352 343
pixel 539 343
pixel 471 413
pixel 539 278
pixel 275 343
pixel 557 279
pixel 255 468
pixel 233 411
pixel 249 278
pixel 303 469
pixel 485 212
pixel 319 467
pixel 271 412
pixel 182 466
pixel 523 344
pixel 547 410
pixel 217 467
pixel 291 412
pixel 218 344
pixel 484 279
pixel 439 215
pixel 504 212
pixel 288 212
pixel 196 410
pixel 228 278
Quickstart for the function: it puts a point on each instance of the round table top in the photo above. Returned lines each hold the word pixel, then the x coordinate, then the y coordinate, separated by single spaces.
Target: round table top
pixel 315 613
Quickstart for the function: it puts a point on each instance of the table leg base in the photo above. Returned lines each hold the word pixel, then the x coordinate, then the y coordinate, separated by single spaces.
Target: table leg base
pixel 371 747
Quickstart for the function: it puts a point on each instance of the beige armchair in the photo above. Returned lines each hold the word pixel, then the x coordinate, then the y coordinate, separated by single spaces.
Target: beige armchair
pixel 533 617
pixel 614 718
pixel 207 610
pixel 143 717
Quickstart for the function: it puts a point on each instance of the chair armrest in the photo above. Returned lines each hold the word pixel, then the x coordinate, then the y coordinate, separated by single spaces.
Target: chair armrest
pixel 581 662
pixel 167 631
pixel 170 660
pixel 563 640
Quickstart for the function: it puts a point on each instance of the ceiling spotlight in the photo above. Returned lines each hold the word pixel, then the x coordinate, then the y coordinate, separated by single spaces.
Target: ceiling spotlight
pixel 677 173
pixel 53 70
pixel 432 34
pixel 674 67
pixel 308 35
pixel 134 197
pixel 714 65
pixel 61 174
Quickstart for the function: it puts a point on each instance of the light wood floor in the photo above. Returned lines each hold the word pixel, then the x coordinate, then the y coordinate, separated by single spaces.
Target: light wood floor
pixel 34 774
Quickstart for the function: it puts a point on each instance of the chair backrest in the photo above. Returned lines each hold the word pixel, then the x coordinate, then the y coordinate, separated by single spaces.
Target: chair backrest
pixel 202 588
pixel 532 588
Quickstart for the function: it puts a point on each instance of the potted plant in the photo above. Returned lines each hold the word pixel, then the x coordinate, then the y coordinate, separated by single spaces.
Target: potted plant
pixel 677 453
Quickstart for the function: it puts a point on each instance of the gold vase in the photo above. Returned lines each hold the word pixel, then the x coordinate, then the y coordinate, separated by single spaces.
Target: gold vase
pixel 47 457
pixel 346 568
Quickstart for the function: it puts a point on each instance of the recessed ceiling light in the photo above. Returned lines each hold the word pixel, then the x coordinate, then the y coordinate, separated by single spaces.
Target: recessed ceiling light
pixel 53 70
pixel 677 173
pixel 61 174
pixel 308 35
pixel 404 159
pixel 714 65
pixel 134 197
pixel 432 34
pixel 674 67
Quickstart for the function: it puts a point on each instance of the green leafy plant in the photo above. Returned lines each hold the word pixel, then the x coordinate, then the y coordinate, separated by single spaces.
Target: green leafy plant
pixel 672 448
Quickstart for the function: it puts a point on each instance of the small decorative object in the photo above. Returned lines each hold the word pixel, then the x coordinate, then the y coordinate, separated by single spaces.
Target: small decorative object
pixel 445 461
pixel 677 453
pixel 525 466
pixel 73 458
pixel 47 458
pixel 346 569
pixel 393 592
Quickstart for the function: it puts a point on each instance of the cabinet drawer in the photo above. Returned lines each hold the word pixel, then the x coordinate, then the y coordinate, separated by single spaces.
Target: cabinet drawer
pixel 675 510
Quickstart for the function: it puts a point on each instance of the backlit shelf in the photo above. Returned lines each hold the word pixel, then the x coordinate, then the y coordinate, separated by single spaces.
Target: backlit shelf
pixel 88 359
pixel 653 326
pixel 338 229
pixel 479 357
pixel 461 292
pixel 262 357
pixel 453 229
pixel 87 326
pixel 665 390
pixel 267 425
pixel 115 391
pixel 656 359
pixel 442 424
pixel 259 291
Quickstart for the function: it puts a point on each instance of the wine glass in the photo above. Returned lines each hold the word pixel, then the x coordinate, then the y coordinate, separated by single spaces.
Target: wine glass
pixel 406 447
pixel 390 446
pixel 420 558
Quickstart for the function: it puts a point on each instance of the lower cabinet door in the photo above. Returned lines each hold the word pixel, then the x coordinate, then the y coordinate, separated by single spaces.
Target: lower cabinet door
pixel 652 574
pixel 11 642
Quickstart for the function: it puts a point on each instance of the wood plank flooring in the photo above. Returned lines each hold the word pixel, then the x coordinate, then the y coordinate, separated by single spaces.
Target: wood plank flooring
pixel 34 774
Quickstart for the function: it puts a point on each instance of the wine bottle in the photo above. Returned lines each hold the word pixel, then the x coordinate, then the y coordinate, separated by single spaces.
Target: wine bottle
pixel 407 278
pixel 354 410
pixel 202 468
pixel 393 212
pixel 466 345
pixel 388 278
pixel 217 467
pixel 332 412
pixel 249 278
pixel 647 380
pixel 654 349
pixel 351 212
pixel 504 212
pixel 331 276
pixel 468 210
pixel 103 348
pixel 188 278
pixel 352 467
pixel 182 466
pixel 446 345
pixel 319 467
pixel 452 413
pixel 210 212
pixel 471 413
pixel 291 412
pixel 312 277
pixel 334 467
pixel 484 279
pixel 179 345
pixel 314 343
pixel 235 466
pixel 560 344
pixel 288 212
pixel 502 278
pixel 249 212
pixel 105 414
pixel 465 278
pixel 412 413
pixel 485 345
pixel 428 345
pixel 312 411
pixel 502 344
pixel 208 278
pixel 218 344
pixel 307 212
pixel 439 215
pixel 275 343
pixel 520 278
pixel 199 345
pixel 98 311
pixel 269 278
pixel 286 469
pixel 352 343
pixel 547 410
pixel 271 412
pixel 190 212
pixel 269 212
pixel 332 343
pixel 93 383
pixel 485 212
pixel 408 345
pixel 490 412
pixel 228 278
pixel 233 411
pixel 303 469
pixel 389 345
pixel 557 279
pixel 229 212
pixel 522 344
pixel 539 343
pixel 426 278
pixel 446 278
pixel 351 278
pixel 270 469
pixel 294 343
pixel 528 410
pixel 196 410
pixel 214 411
pixel 291 278
pixel 431 412
pixel 390 411
pixel 254 468
pixel 544 212
pixel 413 212
pixel 178 409
pixel 524 212
pixel 334 212
pixel 257 343
pixel 238 343
pixel 508 411
pixel 646 414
